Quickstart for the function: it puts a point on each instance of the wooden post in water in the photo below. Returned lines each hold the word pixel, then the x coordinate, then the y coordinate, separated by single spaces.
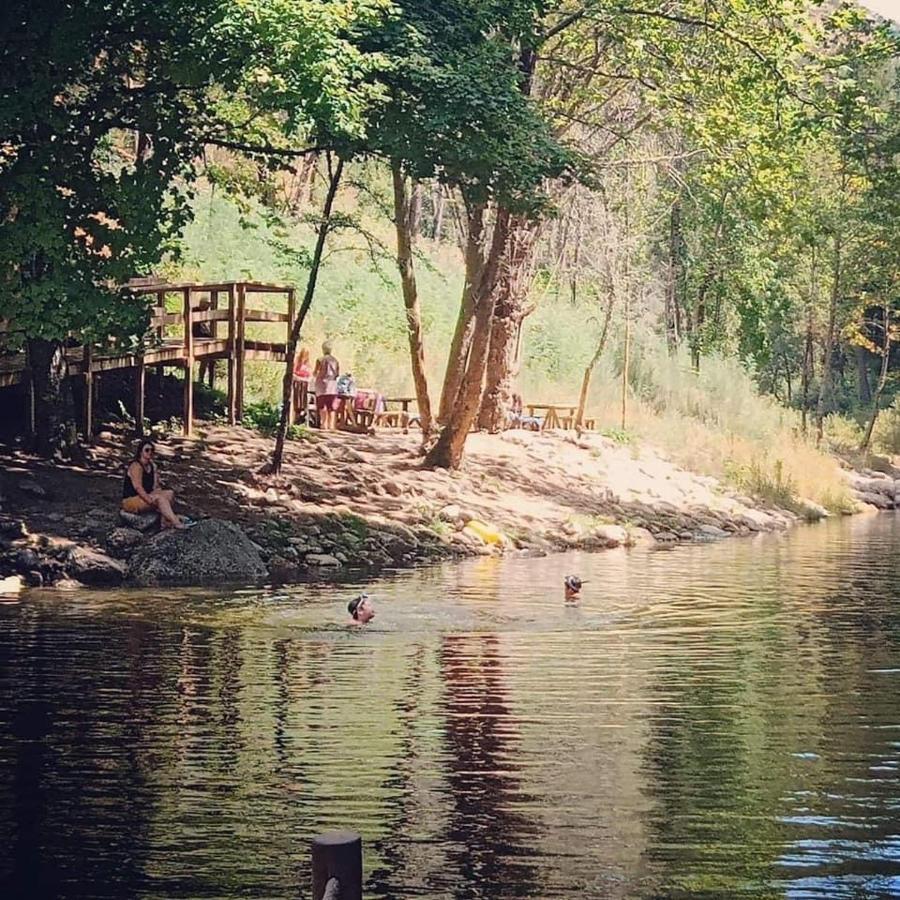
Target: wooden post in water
pixel 232 340
pixel 337 856
pixel 188 407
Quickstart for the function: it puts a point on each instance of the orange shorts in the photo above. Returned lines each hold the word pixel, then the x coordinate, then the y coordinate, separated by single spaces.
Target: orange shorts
pixel 135 505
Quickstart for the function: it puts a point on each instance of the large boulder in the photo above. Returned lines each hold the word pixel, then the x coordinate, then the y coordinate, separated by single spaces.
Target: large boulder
pixel 212 551
pixel 95 568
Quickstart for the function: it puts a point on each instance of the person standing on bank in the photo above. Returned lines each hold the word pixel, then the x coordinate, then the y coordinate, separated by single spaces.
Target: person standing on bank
pixel 141 491
pixel 302 374
pixel 325 375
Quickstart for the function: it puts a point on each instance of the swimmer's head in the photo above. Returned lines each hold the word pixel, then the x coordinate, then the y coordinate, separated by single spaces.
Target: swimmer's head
pixel 361 609
pixel 572 585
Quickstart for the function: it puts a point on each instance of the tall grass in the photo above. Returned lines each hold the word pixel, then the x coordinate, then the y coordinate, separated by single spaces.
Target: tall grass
pixel 714 422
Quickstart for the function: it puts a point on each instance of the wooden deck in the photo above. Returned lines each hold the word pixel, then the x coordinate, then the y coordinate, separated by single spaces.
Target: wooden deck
pixel 228 311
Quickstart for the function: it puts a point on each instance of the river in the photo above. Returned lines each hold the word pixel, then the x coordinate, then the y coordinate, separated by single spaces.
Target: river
pixel 720 720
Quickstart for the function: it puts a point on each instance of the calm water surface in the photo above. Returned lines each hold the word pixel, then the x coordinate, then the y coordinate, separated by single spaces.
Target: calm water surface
pixel 716 721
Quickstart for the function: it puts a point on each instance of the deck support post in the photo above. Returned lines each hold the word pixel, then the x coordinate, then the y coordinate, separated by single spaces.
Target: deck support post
pixel 87 400
pixel 188 409
pixel 240 351
pixel 140 379
pixel 232 338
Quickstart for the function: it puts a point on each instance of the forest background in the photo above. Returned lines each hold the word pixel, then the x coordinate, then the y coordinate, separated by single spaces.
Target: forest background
pixel 698 206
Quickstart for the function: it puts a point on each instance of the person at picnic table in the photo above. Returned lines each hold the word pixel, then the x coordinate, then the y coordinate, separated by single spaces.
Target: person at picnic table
pixel 326 375
pixel 518 418
pixel 361 610
pixel 302 375
pixel 141 491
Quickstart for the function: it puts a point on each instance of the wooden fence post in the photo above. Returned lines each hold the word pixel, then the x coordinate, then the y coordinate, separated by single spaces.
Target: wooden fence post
pixel 232 339
pixel 214 331
pixel 87 401
pixel 337 856
pixel 140 379
pixel 188 365
pixel 239 387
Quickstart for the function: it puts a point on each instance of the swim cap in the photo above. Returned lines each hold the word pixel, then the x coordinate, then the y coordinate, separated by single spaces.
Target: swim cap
pixel 573 582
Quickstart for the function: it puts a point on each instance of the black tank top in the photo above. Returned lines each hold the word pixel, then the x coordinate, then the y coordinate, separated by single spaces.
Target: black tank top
pixel 147 480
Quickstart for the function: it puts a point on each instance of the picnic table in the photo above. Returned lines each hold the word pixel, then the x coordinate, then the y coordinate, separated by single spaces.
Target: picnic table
pixel 557 415
pixel 394 418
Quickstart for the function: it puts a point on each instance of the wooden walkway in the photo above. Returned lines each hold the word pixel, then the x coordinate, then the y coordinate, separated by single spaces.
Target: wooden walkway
pixel 170 341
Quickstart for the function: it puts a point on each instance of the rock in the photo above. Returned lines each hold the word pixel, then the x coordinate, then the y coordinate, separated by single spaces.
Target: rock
pixel 666 537
pixel 637 535
pixel 812 511
pixel 272 495
pixel 95 568
pixel 282 569
pixel 450 513
pixel 321 560
pixel 27 560
pixel 712 531
pixel 611 535
pixel 12 529
pixel 392 488
pixel 33 488
pixel 212 551
pixel 878 500
pixel 34 579
pixel 10 585
pixel 121 541
pixel 143 522
pixel 105 436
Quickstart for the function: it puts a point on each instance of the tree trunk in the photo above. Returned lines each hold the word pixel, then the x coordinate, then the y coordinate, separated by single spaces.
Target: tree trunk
pixel 404 220
pixel 864 390
pixel 52 411
pixel 788 372
pixel 825 383
pixel 447 453
pixel 673 318
pixel 439 204
pixel 589 370
pixel 882 378
pixel 509 312
pixel 291 350
pixel 462 335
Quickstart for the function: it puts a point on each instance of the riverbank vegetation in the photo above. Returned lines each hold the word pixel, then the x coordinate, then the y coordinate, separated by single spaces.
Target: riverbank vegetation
pixel 682 218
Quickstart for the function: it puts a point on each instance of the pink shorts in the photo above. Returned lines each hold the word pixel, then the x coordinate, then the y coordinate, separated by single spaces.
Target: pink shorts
pixel 328 402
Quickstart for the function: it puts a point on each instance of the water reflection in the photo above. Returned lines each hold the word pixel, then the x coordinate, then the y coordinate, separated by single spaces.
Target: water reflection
pixel 719 721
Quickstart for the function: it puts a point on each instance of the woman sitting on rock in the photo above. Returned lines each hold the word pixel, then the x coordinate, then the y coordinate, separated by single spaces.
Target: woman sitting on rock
pixel 141 492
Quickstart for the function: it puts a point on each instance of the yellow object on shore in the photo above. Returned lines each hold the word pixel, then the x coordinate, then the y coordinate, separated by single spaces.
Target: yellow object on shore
pixel 484 531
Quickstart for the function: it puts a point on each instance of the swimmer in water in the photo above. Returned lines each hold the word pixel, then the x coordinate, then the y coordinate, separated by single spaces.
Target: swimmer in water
pixel 573 587
pixel 361 610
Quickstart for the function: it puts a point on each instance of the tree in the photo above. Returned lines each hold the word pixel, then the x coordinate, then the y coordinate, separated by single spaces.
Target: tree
pixel 81 209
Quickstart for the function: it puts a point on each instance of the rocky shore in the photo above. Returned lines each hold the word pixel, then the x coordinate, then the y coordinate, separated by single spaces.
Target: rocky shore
pixel 352 502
